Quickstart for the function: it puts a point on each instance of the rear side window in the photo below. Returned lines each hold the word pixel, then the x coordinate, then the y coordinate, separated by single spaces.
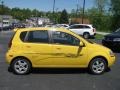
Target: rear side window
pixel 22 35
pixel 38 37
pixel 77 27
pixel 87 27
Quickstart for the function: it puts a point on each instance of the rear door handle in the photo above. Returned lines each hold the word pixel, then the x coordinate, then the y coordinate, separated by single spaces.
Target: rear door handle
pixel 58 48
pixel 28 46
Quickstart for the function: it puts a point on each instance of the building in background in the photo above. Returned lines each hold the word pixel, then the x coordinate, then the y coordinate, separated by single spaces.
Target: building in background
pixel 79 21
pixel 5 20
pixel 37 21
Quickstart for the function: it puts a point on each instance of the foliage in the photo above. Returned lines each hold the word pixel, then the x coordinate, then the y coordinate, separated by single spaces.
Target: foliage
pixel 98 16
pixel 64 17
pixel 100 21
pixel 115 7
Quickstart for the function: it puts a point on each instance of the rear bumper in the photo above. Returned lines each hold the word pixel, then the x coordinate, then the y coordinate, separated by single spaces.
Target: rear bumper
pixel 93 36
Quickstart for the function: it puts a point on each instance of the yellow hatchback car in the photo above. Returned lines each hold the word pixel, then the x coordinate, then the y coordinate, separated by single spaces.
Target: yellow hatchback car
pixel 55 48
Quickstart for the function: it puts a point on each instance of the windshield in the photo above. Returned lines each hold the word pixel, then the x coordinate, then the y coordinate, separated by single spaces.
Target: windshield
pixel 117 31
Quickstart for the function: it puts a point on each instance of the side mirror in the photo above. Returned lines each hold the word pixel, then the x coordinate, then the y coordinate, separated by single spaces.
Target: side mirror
pixel 81 44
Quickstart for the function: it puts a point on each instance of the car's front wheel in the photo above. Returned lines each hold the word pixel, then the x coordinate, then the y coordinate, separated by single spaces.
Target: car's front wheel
pixel 98 66
pixel 21 66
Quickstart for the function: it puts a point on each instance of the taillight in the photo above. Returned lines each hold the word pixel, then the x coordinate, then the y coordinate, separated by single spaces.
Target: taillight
pixel 10 42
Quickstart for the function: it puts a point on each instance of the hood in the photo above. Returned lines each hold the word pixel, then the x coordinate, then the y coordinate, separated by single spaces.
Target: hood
pixel 113 35
pixel 98 47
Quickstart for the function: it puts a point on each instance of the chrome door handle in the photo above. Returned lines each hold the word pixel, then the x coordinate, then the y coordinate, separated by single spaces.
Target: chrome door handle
pixel 58 48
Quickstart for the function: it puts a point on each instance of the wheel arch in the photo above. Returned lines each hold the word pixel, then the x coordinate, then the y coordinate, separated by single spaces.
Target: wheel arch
pixel 86 32
pixel 98 57
pixel 21 57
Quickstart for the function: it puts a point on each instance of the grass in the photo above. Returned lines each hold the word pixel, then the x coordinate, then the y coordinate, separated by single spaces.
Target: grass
pixel 99 36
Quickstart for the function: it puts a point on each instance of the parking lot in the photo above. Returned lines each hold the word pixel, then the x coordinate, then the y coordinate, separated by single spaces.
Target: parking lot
pixel 56 79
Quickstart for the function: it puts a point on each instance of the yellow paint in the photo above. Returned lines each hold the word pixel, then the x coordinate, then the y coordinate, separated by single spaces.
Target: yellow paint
pixel 56 55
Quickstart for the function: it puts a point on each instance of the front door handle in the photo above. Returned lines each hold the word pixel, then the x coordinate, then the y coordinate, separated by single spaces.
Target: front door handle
pixel 68 55
pixel 28 46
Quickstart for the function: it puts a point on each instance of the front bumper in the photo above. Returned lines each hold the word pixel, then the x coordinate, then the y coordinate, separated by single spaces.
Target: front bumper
pixel 111 61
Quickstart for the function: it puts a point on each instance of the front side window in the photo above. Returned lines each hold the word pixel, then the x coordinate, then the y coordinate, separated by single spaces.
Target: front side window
pixel 38 36
pixel 64 38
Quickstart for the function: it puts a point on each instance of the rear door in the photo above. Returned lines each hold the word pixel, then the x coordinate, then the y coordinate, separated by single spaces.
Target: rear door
pixel 37 47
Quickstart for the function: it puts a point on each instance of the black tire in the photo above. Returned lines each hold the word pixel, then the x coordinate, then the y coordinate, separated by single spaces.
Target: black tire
pixel 21 66
pixel 86 35
pixel 97 66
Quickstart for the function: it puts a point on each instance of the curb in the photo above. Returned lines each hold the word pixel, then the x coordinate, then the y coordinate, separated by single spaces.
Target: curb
pixel 102 33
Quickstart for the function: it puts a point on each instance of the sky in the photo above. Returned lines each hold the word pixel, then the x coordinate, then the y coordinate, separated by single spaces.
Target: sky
pixel 47 5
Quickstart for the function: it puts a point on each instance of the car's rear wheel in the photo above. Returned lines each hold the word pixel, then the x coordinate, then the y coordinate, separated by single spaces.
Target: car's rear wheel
pixel 86 35
pixel 21 66
pixel 98 66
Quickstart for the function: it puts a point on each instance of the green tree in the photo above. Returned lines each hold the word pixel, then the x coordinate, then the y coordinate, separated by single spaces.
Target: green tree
pixel 4 10
pixel 99 15
pixel 64 17
pixel 100 4
pixel 115 7
pixel 100 21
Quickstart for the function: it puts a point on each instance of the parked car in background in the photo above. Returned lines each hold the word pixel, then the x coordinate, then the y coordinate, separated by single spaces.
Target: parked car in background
pixel 112 40
pixel 85 30
pixel 63 25
pixel 6 28
pixel 18 25
pixel 52 26
pixel 56 48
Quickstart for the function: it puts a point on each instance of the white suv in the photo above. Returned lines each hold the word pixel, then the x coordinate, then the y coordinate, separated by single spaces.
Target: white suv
pixel 86 30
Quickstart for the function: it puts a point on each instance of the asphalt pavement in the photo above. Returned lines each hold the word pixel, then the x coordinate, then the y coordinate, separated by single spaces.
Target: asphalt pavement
pixel 56 79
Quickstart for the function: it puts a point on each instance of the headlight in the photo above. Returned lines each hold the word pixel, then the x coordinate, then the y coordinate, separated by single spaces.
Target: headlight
pixel 111 54
pixel 116 39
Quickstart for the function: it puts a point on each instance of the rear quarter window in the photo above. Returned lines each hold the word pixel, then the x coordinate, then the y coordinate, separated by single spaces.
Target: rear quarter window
pixel 23 35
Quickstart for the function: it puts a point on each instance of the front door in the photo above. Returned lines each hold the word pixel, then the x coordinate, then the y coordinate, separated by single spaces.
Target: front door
pixel 66 50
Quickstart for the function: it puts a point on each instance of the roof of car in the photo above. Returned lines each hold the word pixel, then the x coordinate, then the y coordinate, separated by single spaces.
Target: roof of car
pixel 83 24
pixel 41 28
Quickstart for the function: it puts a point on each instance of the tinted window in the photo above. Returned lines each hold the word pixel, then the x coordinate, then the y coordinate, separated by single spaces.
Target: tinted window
pixel 86 27
pixel 64 38
pixel 77 27
pixel 38 36
pixel 117 31
pixel 22 35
